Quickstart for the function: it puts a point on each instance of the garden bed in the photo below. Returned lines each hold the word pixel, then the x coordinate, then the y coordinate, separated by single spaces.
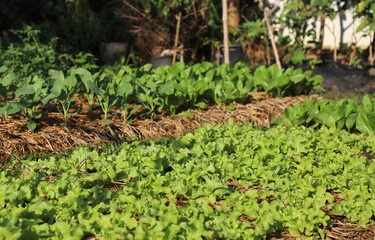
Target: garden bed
pixel 226 182
pixel 53 136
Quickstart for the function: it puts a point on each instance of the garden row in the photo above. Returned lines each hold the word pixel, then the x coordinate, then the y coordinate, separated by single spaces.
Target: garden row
pixel 345 114
pixel 169 88
pixel 228 182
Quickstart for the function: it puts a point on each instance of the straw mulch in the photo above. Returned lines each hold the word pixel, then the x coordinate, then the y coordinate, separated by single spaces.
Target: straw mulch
pixel 51 136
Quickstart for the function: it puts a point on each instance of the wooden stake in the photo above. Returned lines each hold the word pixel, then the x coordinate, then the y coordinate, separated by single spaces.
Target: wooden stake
pixel 176 39
pixel 225 32
pixel 270 32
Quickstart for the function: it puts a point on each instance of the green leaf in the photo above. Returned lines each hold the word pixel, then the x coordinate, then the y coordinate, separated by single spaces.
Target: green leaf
pixel 317 80
pixel 146 68
pixel 56 75
pixel 210 75
pixel 8 79
pixel 326 118
pixel 367 100
pixel 298 57
pixel 3 69
pixel 350 121
pixel 125 89
pixel 166 88
pixel 135 109
pixel 231 108
pixel 282 121
pixel 187 114
pixel 71 81
pixel 131 223
pixel 23 91
pixel 297 78
pixel 106 122
pixel 13 108
pixel 31 126
pixel 201 105
pixel 362 25
pixel 290 113
pixel 363 124
pixel 93 87
pixel 57 88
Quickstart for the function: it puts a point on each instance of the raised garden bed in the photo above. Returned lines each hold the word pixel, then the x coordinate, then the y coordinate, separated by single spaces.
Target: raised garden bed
pixel 53 136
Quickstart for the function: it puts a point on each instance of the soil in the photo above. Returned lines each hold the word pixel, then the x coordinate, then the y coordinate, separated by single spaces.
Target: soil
pixel 340 80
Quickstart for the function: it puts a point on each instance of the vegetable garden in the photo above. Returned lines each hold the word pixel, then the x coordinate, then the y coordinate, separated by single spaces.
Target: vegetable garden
pixel 231 181
pixel 195 150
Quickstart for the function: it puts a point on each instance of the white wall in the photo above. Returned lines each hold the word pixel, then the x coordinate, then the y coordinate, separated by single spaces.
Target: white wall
pixel 340 30
pixel 345 32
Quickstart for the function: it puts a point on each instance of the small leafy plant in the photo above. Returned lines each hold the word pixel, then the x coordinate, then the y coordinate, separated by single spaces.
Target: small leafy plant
pixel 62 91
pixel 345 114
pixel 30 99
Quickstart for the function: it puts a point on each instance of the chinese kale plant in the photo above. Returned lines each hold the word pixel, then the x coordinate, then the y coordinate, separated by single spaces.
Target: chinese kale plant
pixel 345 114
pixel 287 82
pixel 62 91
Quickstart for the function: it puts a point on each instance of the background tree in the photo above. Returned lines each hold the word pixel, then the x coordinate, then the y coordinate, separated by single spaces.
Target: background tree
pixel 365 9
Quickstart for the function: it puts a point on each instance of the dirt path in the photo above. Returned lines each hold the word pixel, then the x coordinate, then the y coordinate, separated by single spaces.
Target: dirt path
pixel 340 78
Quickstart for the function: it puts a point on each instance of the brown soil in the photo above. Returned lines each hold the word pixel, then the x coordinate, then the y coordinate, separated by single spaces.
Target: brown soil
pixel 52 136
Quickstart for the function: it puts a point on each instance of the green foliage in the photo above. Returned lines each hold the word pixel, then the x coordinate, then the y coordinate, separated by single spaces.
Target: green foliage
pixel 199 185
pixel 366 10
pixel 345 114
pixel 30 98
pixel 296 15
pixel 62 90
pixel 6 84
pixel 170 88
pixel 287 82
pixel 89 81
pixel 162 8
pixel 251 31
pixel 32 57
pixel 298 57
pixel 106 94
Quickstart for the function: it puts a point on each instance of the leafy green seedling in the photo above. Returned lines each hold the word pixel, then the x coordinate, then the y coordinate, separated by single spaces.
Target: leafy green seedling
pixel 62 91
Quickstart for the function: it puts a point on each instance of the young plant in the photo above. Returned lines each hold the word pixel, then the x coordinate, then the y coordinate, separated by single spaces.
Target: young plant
pixel 62 91
pixel 29 100
pixel 105 92
pixel 6 84
pixel 124 91
pixel 89 81
pixel 147 95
